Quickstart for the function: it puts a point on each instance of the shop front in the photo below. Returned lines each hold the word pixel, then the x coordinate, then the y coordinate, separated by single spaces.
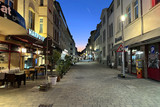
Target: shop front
pixel 11 23
pixel 153 61
pixel 137 55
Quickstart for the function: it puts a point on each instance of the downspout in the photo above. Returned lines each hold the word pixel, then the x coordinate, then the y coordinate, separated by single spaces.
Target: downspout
pixel 24 9
pixel 141 12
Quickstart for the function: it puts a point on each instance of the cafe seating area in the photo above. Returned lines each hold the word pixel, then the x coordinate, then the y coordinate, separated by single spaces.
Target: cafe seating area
pixel 14 77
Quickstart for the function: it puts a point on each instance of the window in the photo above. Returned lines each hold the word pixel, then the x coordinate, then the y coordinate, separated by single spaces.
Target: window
pixel 118 3
pixel 104 36
pixel 104 51
pixel 136 9
pixel 109 47
pixel 31 19
pixel 9 2
pixel 154 2
pixel 104 20
pixel 55 34
pixel 118 24
pixel 41 25
pixel 129 15
pixel 112 47
pixel 41 2
pixel 111 30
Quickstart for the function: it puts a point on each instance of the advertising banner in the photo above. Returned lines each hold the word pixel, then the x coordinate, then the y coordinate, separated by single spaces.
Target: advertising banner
pixel 11 14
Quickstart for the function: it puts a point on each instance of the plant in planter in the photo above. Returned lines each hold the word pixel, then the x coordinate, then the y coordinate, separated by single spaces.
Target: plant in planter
pixel 53 59
pixel 60 67
pixel 58 72
pixel 68 62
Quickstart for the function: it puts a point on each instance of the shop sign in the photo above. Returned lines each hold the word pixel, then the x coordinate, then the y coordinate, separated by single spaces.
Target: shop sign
pixel 118 39
pixel 152 49
pixel 36 35
pixel 11 14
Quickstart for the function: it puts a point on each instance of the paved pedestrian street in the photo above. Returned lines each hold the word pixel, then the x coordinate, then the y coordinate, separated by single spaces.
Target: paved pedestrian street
pixel 87 84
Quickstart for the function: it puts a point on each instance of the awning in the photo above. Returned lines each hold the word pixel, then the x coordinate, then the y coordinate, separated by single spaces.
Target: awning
pixel 8 27
pixel 26 39
pixel 11 22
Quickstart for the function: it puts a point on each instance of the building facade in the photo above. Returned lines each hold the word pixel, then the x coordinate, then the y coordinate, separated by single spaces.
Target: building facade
pixel 141 37
pixel 25 25
pixel 103 32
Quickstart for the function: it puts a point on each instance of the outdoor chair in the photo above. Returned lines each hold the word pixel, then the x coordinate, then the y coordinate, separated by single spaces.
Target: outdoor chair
pixel 2 78
pixel 11 78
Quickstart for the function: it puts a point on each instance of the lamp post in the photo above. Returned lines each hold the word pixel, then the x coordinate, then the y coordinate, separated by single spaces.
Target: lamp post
pixel 123 53
pixel 90 52
pixel 123 17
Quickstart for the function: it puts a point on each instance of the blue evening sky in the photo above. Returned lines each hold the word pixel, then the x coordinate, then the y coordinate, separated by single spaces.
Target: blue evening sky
pixel 82 17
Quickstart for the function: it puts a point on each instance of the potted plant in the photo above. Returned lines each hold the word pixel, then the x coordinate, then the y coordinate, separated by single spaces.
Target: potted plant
pixel 58 72
pixel 53 59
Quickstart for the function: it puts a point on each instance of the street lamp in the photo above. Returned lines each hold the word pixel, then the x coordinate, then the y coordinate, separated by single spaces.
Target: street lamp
pixel 90 52
pixel 123 17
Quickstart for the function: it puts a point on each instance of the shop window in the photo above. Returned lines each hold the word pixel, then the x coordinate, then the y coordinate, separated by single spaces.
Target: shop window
pixel 136 55
pixel 153 56
pixel 31 19
pixel 28 61
pixel 154 2
pixel 4 63
pixel 135 9
pixel 15 60
pixel 41 25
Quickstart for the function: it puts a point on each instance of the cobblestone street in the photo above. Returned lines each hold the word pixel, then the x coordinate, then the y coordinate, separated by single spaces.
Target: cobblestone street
pixel 87 84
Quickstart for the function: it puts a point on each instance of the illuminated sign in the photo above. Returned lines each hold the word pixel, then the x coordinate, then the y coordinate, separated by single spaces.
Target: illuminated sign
pixel 36 35
pixel 11 14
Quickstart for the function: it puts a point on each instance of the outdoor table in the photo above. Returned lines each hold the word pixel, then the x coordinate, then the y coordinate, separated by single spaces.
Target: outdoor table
pixel 32 71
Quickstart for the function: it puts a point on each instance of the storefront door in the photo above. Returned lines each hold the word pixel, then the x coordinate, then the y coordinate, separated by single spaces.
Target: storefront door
pixel 137 54
pixel 153 62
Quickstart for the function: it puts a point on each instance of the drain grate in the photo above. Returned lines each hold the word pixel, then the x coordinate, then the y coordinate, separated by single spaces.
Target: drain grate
pixel 45 105
pixel 79 77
